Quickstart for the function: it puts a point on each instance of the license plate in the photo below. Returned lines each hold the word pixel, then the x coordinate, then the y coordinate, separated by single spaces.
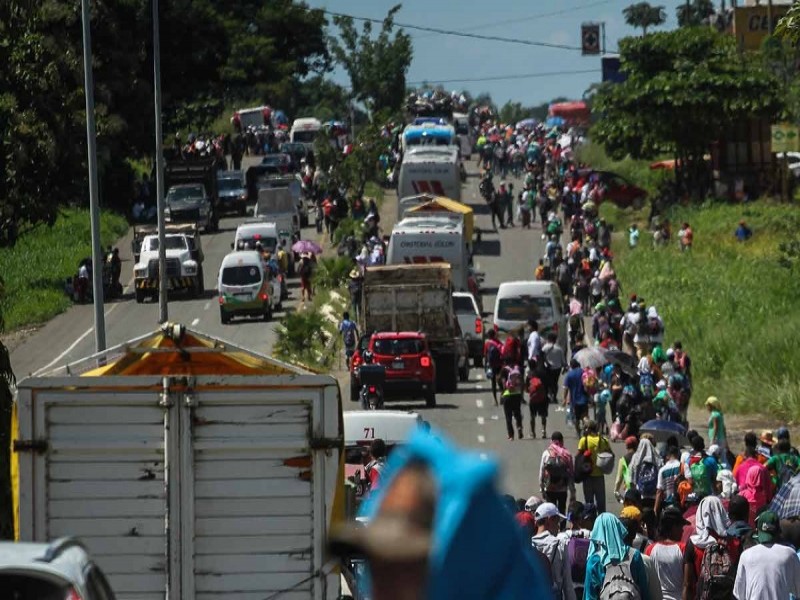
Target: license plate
pixel 243 295
pixel 398 364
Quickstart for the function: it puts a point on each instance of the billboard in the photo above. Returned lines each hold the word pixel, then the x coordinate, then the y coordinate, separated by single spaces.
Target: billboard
pixel 590 39
pixel 611 70
pixel 751 24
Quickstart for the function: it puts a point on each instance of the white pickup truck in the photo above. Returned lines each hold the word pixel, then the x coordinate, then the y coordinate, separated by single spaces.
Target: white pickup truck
pixel 184 266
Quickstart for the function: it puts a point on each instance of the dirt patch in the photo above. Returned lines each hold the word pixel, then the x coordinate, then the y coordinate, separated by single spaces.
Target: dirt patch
pixel 12 339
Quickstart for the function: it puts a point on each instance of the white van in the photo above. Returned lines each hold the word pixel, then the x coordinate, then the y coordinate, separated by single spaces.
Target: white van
pixel 304 131
pixel 430 170
pixel 431 239
pixel 518 301
pixel 246 287
pixel 251 232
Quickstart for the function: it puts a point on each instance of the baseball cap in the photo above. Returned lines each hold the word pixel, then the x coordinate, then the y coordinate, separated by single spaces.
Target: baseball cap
pixel 547 510
pixel 767 527
pixel 533 503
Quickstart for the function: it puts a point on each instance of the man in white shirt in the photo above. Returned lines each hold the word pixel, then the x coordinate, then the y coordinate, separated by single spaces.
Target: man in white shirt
pixel 667 482
pixel 534 345
pixel 548 521
pixel 767 571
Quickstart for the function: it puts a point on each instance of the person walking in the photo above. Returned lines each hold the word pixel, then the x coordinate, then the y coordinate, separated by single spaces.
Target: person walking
pixel 667 483
pixel 349 332
pixel 590 445
pixel 716 426
pixel 534 345
pixel 537 402
pixel 711 525
pixel 667 553
pixel 493 359
pixel 768 570
pixel 557 473
pixel 555 361
pixel 644 468
pixel 355 287
pixel 612 563
pixel 623 481
pixel 512 398
pixel 552 549
pixel 575 396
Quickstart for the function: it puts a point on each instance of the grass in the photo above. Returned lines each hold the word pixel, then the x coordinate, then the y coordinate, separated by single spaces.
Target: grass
pixel 35 268
pixel 637 171
pixel 733 306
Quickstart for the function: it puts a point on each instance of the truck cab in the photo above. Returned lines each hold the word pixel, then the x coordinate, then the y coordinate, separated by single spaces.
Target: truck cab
pixel 184 266
pixel 189 203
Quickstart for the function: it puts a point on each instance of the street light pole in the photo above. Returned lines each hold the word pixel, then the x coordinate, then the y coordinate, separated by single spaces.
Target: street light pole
pixel 163 310
pixel 94 203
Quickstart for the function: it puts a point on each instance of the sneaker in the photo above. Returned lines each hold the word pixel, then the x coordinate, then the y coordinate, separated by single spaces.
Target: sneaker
pixel 544 433
pixel 511 438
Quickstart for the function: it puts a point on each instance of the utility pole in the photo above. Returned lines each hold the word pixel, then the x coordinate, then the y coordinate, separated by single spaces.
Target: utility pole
pixel 94 202
pixel 163 309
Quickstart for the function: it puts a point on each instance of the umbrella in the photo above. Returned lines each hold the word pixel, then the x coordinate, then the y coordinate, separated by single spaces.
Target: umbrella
pixel 591 357
pixel 625 361
pixel 786 503
pixel 662 430
pixel 527 124
pixel 303 246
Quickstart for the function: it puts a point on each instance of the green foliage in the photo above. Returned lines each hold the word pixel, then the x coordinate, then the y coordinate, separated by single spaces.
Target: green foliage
pixel 694 13
pixel 732 304
pixel 332 272
pixel 788 27
pixel 684 88
pixel 300 333
pixel 513 112
pixel 347 226
pixel 644 15
pixel 377 67
pixel 35 269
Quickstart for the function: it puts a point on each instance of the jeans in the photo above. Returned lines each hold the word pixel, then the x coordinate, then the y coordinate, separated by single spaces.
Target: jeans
pixel 512 406
pixel 594 491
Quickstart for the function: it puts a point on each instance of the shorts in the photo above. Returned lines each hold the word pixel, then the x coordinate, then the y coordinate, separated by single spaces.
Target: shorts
pixel 539 410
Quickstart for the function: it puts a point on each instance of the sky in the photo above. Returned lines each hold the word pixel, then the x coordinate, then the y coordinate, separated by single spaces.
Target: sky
pixel 438 57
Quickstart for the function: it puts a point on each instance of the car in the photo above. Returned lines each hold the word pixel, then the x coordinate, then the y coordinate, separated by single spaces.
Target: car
pixel 296 151
pixel 471 324
pixel 232 192
pixel 518 301
pixel 410 368
pixel 277 163
pixel 620 191
pixel 247 287
pixel 59 569
pixel 190 203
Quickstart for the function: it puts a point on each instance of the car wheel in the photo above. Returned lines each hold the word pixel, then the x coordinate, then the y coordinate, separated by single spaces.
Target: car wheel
pixel 267 313
pixel 430 399
pixel 139 296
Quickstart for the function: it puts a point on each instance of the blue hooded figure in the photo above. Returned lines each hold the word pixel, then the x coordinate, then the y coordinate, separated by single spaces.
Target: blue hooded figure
pixel 476 548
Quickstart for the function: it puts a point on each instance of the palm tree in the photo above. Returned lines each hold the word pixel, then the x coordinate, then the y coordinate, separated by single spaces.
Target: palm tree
pixel 694 13
pixel 644 15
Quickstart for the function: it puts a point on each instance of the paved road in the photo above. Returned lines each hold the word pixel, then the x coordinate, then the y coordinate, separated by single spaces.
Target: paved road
pixel 468 416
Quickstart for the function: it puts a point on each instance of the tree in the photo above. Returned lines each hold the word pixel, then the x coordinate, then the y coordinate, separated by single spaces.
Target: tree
pixel 644 15
pixel 377 67
pixel 694 12
pixel 684 89
pixel 788 27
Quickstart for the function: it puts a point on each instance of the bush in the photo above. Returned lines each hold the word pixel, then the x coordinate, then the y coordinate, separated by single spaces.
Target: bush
pixel 348 226
pixel 331 273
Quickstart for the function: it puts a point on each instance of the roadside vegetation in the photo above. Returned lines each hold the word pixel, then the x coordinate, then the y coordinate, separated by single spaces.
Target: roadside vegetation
pixel 734 305
pixel 34 270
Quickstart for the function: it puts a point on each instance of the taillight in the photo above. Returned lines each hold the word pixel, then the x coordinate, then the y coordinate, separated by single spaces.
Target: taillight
pixel 356 359
pixel 73 594
pixel 372 389
pixel 222 299
pixel 264 297
pixel 425 361
pixel 478 325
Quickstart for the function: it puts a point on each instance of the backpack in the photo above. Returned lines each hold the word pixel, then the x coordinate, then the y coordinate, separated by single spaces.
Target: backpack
pixel 589 381
pixel 717 573
pixel 700 481
pixel 578 553
pixel 646 384
pixel 536 391
pixel 513 382
pixel 646 479
pixel 618 583
pixel 493 356
pixel 555 471
pixel 350 336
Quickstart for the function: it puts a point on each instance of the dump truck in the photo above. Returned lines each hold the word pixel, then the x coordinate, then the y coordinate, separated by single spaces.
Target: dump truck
pixel 418 297
pixel 191 468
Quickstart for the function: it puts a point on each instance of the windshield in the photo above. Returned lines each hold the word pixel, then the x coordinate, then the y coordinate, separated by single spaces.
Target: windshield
pixel 398 346
pixel 304 137
pixel 249 243
pixel 522 308
pixel 463 304
pixel 229 184
pixel 172 242
pixel 241 275
pixel 186 193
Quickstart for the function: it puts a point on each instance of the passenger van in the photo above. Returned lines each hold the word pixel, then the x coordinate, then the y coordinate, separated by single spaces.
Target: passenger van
pixel 518 301
pixel 250 233
pixel 246 287
pixel 304 131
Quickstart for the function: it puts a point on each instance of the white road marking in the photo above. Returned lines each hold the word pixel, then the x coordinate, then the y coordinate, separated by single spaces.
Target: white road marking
pixel 207 305
pixel 481 420
pixel 484 456
pixel 195 322
pixel 479 403
pixel 481 439
pixel 479 387
pixel 74 344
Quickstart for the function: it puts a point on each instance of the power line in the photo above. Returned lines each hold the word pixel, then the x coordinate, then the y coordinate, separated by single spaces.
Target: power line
pixel 476 36
pixel 502 77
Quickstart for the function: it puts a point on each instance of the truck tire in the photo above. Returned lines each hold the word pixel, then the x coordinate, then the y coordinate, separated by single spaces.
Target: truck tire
pixel 139 294
pixel 267 313
pixel 430 399
pixel 353 391
pixel 202 278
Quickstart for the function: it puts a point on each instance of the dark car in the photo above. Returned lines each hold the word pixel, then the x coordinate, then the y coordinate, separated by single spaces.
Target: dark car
pixel 296 151
pixel 232 192
pixel 277 163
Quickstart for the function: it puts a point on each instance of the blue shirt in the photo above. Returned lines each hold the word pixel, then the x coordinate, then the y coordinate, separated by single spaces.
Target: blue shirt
pixel 574 383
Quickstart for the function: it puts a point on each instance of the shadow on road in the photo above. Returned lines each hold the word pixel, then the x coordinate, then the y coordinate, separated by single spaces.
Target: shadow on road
pixel 487 248
pixel 416 407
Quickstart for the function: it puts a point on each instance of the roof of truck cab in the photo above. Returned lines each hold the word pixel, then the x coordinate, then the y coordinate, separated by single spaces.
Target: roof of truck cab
pixel 403 335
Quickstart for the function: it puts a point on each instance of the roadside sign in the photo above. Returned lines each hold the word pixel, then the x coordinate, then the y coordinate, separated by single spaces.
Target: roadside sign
pixel 590 39
pixel 751 24
pixel 784 137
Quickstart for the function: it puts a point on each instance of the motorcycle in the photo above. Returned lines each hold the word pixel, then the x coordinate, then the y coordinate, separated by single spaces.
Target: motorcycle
pixel 486 189
pixel 372 378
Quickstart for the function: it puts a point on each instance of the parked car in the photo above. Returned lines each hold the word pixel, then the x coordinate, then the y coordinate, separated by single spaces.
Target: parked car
pixel 277 163
pixel 60 569
pixel 620 190
pixel 471 324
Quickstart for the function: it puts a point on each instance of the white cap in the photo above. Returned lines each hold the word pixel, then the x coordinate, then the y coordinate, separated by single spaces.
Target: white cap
pixel 547 510
pixel 533 503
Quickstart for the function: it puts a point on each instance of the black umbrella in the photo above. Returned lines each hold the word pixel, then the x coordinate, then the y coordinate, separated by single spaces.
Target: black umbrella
pixel 625 361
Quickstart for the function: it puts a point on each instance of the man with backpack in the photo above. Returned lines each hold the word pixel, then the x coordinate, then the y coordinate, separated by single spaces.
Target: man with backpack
pixel 701 470
pixel 554 362
pixel 582 517
pixel 493 359
pixel 550 550
pixel 667 482
pixel 782 465
pixel 710 557
pixel 512 397
pixel 349 332
pixel 575 395
pixel 589 446
pixel 556 473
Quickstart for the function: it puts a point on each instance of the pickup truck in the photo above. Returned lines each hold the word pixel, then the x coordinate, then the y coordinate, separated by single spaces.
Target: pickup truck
pixel 184 266
pixel 418 298
pixel 192 193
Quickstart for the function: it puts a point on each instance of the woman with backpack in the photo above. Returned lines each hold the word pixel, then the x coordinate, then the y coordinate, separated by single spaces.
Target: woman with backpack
pixel 613 568
pixel 643 469
pixel 710 558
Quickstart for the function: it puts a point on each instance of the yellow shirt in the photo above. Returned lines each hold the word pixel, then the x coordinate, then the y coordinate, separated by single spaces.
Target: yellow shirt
pixel 595 444
pixel 283 260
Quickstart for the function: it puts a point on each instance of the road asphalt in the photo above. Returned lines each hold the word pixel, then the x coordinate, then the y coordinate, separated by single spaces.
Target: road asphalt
pixel 469 416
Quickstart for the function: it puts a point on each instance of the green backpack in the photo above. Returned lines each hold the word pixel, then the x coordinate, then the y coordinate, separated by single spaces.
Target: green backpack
pixel 701 484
